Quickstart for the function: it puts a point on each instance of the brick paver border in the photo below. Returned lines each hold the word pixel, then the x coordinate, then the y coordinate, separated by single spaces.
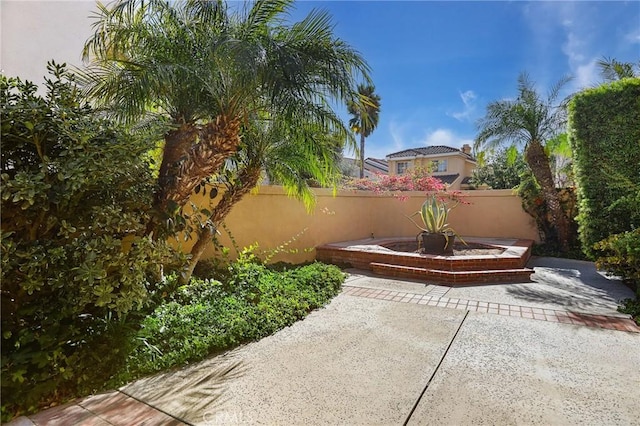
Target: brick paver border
pixel 435 297
pixel 105 409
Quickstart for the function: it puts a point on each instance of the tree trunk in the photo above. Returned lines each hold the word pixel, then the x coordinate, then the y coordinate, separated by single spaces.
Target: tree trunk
pixel 538 161
pixel 361 155
pixel 248 179
pixel 191 154
pixel 176 147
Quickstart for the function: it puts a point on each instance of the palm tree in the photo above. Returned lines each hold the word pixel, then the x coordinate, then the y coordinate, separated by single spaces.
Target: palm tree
pixel 365 111
pixel 613 70
pixel 530 121
pixel 204 72
pixel 287 155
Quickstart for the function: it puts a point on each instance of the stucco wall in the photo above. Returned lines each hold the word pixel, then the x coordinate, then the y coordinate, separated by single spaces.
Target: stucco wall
pixel 468 169
pixel 270 218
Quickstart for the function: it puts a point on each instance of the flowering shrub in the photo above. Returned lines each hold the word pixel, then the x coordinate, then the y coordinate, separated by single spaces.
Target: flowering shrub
pixel 414 180
pixel 418 179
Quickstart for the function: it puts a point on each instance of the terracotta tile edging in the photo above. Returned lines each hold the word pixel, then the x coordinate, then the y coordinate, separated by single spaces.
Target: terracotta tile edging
pixel 432 298
pixel 109 408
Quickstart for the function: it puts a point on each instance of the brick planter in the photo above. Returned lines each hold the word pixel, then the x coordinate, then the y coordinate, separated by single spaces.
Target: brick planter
pixel 373 255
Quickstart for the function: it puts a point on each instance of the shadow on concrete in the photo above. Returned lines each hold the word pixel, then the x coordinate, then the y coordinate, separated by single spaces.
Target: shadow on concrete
pixel 573 284
pixel 192 392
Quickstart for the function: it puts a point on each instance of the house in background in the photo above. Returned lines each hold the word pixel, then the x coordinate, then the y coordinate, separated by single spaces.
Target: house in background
pixel 452 166
pixel 372 167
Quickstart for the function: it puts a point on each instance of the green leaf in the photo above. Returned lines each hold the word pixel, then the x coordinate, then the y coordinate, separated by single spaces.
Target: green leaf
pixel 18 375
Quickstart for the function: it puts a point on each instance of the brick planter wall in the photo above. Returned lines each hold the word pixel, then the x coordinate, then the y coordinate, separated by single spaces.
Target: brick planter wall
pixel 510 266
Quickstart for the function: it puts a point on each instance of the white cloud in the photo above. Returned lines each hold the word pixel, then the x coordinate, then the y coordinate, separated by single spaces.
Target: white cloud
pixel 575 23
pixel 633 37
pixel 440 137
pixel 379 145
pixel 573 47
pixel 468 100
pixel 586 75
pixel 467 97
pixel 584 70
pixel 396 130
pixel 445 137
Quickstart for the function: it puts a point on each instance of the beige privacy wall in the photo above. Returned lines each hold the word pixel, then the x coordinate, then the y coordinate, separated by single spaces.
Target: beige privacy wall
pixel 271 218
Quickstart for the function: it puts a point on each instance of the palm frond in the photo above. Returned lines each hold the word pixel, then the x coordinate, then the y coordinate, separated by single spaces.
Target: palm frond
pixel 263 12
pixel 523 120
pixel 612 69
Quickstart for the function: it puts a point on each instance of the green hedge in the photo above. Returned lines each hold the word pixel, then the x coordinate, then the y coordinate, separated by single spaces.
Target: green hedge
pixel 604 132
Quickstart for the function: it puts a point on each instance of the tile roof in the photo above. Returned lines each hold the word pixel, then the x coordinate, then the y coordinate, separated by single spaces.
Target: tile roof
pixel 372 165
pixel 428 150
pixel 376 164
pixel 448 179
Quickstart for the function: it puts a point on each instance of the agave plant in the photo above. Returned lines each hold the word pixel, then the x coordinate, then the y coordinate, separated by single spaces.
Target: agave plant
pixel 434 214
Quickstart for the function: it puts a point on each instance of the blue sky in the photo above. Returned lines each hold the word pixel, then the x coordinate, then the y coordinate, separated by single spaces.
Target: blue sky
pixel 437 65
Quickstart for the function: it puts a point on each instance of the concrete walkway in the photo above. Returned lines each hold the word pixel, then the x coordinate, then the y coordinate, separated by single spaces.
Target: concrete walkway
pixel 385 352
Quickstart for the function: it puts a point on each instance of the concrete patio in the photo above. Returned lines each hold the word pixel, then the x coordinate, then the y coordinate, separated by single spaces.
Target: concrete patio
pixel 553 351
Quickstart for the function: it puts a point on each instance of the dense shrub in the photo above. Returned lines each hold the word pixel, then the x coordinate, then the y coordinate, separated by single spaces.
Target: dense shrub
pixel 620 255
pixel 208 316
pixel 75 192
pixel 604 131
pixel 533 203
pixel 79 272
pixel 631 307
pixel 500 171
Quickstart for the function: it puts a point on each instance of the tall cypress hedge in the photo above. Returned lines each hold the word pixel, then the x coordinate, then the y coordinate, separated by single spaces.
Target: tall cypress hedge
pixel 604 132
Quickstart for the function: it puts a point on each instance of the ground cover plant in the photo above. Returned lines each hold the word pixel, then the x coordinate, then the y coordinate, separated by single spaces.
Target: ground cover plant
pixel 210 315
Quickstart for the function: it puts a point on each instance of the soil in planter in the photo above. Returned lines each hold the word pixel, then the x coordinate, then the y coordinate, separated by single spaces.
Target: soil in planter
pixel 459 249
pixel 462 250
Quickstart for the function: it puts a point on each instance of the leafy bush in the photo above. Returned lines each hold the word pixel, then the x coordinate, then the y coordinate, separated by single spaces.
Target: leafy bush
pixel 620 255
pixel 209 316
pixel 500 171
pixel 604 130
pixel 75 192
